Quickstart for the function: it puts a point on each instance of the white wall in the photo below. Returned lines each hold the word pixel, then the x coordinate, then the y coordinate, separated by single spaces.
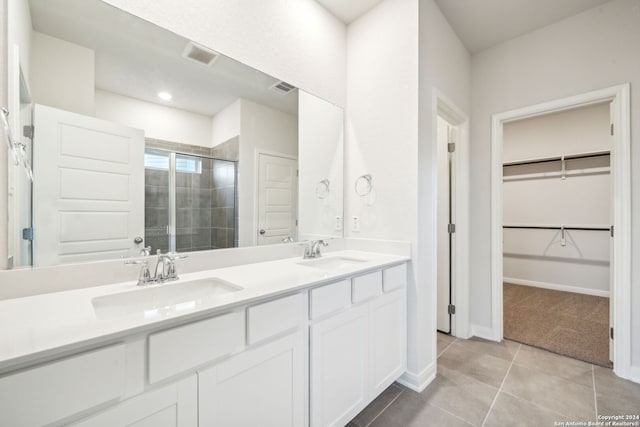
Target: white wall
pixel 157 121
pixel 398 53
pixel 62 74
pixel 225 124
pixel 444 67
pixel 19 30
pixel 18 194
pixel 266 129
pixel 537 257
pixel 592 50
pixel 3 153
pixel 295 41
pixel 321 148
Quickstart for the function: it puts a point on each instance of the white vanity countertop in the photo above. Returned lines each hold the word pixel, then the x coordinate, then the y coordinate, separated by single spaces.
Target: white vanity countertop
pixel 35 328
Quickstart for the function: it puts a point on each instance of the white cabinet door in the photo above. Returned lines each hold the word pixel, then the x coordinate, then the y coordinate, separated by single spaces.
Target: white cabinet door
pixel 339 367
pixel 264 386
pixel 388 339
pixel 175 405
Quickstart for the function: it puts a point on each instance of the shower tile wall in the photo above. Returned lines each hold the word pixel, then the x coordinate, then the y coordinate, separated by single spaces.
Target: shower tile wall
pixel 156 212
pixel 223 231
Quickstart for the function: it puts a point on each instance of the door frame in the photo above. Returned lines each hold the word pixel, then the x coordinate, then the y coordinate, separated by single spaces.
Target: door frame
pixel 256 188
pixel 621 177
pixel 444 107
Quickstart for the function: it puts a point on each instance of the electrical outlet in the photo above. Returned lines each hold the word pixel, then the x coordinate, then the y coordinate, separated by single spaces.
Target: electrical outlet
pixel 338 223
pixel 355 224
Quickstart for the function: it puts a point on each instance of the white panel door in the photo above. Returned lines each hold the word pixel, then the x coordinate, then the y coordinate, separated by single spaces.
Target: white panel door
pixel 277 198
pixel 446 187
pixel 339 367
pixel 88 188
pixel 264 386
pixel 388 339
pixel 175 405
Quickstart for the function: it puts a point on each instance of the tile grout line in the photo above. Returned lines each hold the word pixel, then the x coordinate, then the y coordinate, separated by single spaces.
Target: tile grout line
pixel 447 347
pixel 501 385
pixel 450 413
pixel 595 394
pixel 537 405
pixel 385 408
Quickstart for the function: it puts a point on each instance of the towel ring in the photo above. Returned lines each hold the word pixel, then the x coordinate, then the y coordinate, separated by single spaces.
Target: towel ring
pixel 363 185
pixel 323 189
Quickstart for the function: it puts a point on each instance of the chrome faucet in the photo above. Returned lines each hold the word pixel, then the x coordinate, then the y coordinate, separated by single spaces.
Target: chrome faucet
pixel 166 266
pixel 312 249
pixel 165 269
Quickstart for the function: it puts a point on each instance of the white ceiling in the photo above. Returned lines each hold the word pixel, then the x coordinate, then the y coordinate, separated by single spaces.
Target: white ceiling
pixel 349 10
pixel 481 24
pixel 138 59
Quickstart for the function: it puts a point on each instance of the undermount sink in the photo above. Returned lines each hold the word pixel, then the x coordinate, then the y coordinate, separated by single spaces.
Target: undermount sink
pixel 332 263
pixel 163 299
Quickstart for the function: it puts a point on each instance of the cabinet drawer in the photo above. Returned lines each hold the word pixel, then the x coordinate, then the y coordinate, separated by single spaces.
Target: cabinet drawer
pixel 329 298
pixel 394 277
pixel 367 286
pixel 57 390
pixel 274 317
pixel 186 347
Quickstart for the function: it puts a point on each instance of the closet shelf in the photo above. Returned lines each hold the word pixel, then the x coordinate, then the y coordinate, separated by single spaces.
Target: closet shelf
pixel 559 227
pixel 557 158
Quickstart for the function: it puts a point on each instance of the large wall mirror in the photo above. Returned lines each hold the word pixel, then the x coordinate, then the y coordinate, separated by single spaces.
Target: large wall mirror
pixel 141 140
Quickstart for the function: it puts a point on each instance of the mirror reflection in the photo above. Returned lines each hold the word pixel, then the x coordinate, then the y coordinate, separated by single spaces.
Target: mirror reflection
pixel 143 140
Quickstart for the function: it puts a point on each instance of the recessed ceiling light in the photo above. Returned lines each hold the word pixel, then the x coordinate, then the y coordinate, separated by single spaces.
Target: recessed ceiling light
pixel 165 96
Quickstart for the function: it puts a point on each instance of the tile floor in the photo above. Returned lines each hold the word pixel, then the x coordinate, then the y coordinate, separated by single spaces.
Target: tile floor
pixel 484 383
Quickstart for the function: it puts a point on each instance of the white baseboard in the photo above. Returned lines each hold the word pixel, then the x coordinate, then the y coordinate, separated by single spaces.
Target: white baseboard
pixel 556 287
pixel 418 382
pixel 484 332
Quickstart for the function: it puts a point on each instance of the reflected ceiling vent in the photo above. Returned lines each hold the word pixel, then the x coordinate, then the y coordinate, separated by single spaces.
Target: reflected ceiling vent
pixel 200 54
pixel 283 88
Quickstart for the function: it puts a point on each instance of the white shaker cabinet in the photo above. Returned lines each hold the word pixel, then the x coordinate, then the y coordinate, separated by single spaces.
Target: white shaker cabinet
pixel 263 386
pixel 358 352
pixel 339 371
pixel 387 339
pixel 175 405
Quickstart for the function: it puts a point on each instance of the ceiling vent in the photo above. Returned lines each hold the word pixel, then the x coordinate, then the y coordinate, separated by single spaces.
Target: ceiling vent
pixel 283 88
pixel 200 54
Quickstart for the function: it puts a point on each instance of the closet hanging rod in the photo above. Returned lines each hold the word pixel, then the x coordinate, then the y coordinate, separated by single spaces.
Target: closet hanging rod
pixel 557 158
pixel 557 227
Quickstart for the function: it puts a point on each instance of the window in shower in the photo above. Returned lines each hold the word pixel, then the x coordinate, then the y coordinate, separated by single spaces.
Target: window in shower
pixel 190 202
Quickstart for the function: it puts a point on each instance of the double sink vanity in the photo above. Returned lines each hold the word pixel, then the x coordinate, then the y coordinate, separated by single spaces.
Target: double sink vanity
pixel 291 342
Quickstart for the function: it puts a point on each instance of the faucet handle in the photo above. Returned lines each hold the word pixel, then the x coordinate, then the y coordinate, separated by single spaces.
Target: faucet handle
pixel 146 251
pixel 145 275
pixel 174 256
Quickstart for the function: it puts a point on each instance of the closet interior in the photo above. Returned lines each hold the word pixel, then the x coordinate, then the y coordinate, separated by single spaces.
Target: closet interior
pixel 557 214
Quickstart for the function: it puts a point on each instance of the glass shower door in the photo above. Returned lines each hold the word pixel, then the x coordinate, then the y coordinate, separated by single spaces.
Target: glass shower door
pixel 190 202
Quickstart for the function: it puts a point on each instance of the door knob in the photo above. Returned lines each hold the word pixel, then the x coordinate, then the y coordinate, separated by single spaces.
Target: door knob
pixel 137 240
pixel 262 231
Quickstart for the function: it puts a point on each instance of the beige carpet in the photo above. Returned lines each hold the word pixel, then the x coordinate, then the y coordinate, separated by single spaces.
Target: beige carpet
pixel 575 325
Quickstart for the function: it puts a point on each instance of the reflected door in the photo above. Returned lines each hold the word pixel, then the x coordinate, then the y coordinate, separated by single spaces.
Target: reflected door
pixel 88 188
pixel 277 199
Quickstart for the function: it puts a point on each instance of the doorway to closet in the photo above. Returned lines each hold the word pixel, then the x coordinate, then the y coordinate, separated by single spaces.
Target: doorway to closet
pixel 557 215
